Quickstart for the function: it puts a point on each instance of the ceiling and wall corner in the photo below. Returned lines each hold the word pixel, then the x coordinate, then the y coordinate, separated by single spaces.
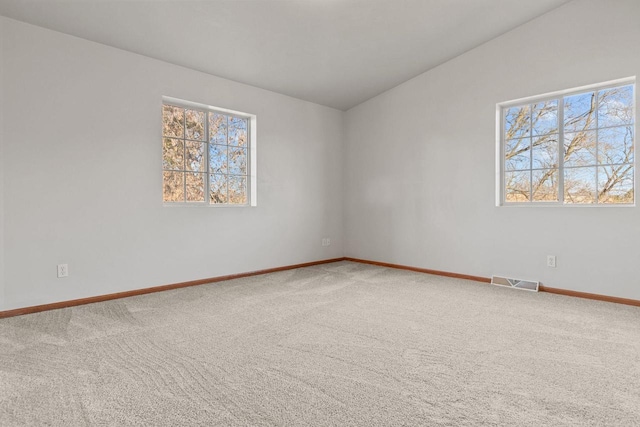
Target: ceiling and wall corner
pixel 82 127
pixel 422 193
pixel 337 53
pixel 373 174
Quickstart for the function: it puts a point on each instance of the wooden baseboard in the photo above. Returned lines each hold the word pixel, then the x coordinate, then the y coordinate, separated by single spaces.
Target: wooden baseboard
pixel 586 295
pixel 422 270
pixel 118 295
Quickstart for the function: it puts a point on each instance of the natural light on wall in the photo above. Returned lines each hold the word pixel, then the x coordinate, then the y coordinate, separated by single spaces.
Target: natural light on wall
pixel 574 147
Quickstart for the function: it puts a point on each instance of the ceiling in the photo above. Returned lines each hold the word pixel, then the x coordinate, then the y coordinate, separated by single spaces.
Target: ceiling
pixel 337 53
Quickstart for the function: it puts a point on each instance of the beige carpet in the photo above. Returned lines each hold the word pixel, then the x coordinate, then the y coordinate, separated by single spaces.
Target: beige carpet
pixel 341 344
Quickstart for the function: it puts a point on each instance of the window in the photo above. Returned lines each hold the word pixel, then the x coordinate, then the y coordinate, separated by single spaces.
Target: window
pixel 576 148
pixel 206 156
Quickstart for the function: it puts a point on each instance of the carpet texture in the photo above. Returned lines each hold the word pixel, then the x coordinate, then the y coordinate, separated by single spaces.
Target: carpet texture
pixel 342 344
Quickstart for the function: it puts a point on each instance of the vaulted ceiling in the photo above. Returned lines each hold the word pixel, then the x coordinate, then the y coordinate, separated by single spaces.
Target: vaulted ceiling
pixel 337 53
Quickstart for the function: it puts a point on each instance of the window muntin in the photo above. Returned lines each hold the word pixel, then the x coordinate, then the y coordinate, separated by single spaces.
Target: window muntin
pixel 573 149
pixel 206 156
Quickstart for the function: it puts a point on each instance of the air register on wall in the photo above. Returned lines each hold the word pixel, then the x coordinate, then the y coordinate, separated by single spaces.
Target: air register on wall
pixel 527 285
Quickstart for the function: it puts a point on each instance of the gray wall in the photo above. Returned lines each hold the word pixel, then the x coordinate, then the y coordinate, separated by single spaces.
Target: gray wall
pixel 82 167
pixel 421 176
pixel 2 160
pixel 407 177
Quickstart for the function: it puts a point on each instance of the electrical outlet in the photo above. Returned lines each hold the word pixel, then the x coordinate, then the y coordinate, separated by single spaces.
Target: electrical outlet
pixel 63 270
pixel 326 241
pixel 551 261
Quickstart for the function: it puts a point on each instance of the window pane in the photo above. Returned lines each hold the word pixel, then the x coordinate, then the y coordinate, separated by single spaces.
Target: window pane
pixel 545 185
pixel 195 125
pixel 237 131
pixel 217 158
pixel 218 188
pixel 172 154
pixel 237 190
pixel 517 122
pixel 580 148
pixel 517 154
pixel 545 117
pixel 195 187
pixel 579 112
pixel 580 185
pixel 615 106
pixel 615 184
pixel 173 187
pixel 195 156
pixel 217 128
pixel 172 121
pixel 615 145
pixel 518 186
pixel 237 161
pixel 545 151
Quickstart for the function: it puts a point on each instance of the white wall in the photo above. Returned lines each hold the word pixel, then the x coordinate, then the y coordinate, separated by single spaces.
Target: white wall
pixel 420 175
pixel 82 167
pixel 2 158
pixel 80 164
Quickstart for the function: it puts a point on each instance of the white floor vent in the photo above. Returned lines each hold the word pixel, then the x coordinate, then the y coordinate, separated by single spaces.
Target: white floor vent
pixel 526 285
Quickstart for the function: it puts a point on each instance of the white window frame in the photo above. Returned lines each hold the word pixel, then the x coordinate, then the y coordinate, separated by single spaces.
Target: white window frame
pixel 559 96
pixel 252 198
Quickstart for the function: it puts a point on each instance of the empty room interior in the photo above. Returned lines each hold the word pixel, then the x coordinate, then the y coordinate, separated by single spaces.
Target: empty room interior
pixel 319 212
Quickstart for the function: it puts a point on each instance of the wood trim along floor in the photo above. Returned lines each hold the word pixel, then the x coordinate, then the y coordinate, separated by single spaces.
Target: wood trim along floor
pixel 422 270
pixel 586 295
pixel 107 297
pixel 125 294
